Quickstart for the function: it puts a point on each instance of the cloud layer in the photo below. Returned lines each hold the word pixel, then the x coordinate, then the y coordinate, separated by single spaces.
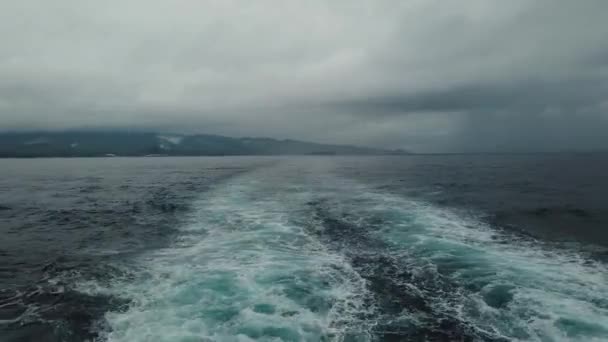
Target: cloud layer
pixel 427 75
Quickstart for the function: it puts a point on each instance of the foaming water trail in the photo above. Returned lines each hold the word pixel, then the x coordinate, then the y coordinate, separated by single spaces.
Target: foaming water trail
pixel 241 270
pixel 493 282
pixel 301 255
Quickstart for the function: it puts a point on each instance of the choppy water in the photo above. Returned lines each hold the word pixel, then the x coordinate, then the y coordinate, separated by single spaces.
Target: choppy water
pixel 304 249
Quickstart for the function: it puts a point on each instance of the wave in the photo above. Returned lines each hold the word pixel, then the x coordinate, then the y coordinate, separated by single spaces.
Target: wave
pixel 489 283
pixel 304 256
pixel 241 270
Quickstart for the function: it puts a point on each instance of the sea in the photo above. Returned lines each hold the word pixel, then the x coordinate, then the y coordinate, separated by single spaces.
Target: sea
pixel 308 248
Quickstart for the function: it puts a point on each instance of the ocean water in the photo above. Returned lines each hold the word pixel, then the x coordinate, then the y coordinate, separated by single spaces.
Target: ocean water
pixel 396 248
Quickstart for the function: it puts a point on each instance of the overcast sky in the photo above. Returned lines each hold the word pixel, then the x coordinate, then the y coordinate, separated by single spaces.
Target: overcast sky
pixel 425 75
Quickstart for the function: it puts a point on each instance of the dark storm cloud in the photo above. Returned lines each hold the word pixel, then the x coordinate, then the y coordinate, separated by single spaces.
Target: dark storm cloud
pixel 528 94
pixel 422 74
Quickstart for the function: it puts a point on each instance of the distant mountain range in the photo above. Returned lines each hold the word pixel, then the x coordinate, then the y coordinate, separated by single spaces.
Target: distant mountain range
pixel 114 143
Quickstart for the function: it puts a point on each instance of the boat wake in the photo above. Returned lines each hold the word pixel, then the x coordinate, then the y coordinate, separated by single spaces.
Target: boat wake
pixel 293 255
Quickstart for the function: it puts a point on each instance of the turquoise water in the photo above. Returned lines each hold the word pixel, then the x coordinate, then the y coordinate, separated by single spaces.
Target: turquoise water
pixel 298 254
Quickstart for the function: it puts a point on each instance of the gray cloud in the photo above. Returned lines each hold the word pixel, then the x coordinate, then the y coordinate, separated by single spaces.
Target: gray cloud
pixel 427 75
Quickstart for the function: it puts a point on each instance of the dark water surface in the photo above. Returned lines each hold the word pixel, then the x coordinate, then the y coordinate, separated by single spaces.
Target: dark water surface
pixel 399 248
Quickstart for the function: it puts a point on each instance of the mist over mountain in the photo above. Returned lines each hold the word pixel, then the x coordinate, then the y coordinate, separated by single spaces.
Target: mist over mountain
pixel 120 143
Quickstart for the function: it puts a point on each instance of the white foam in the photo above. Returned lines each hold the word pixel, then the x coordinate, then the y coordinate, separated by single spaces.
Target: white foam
pixel 244 269
pixel 240 271
pixel 558 294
